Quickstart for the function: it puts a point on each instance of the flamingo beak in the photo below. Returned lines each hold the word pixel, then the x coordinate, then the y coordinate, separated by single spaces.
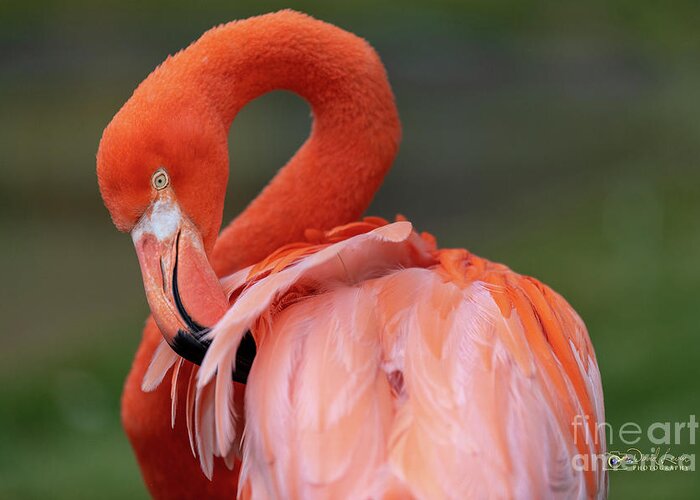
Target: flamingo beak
pixel 183 292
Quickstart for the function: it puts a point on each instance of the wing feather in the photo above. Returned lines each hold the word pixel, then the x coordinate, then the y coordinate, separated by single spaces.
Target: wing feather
pixel 163 359
pixel 388 247
pixel 324 395
pixel 489 404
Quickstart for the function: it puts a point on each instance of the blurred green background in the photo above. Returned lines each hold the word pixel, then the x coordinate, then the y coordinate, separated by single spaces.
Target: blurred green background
pixel 561 138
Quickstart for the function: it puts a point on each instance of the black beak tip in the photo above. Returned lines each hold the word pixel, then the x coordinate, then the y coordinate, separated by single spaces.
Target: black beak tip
pixel 190 345
pixel 193 347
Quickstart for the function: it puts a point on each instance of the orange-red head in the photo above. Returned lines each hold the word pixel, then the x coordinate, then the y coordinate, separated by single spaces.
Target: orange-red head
pixel 167 124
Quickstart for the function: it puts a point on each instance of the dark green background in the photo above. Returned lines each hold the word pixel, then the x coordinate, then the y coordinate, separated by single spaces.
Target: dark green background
pixel 560 138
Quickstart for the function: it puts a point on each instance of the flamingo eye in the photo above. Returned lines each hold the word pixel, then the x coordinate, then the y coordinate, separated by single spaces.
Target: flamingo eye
pixel 160 179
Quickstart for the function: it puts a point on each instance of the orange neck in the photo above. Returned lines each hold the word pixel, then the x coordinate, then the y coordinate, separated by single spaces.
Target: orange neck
pixel 333 177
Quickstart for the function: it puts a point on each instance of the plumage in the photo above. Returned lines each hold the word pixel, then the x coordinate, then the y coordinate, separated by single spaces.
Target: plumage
pixel 173 390
pixel 384 366
pixel 163 359
pixel 398 374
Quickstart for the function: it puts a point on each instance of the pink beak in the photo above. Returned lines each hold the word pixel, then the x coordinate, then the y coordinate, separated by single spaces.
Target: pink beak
pixel 183 291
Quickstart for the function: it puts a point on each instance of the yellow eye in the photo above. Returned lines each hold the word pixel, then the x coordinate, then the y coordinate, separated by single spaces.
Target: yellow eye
pixel 160 179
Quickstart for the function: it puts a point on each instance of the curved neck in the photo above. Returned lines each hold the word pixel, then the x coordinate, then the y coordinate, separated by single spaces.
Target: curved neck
pixel 355 134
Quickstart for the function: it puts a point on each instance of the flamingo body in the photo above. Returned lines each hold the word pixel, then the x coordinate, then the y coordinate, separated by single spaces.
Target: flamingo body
pixel 385 367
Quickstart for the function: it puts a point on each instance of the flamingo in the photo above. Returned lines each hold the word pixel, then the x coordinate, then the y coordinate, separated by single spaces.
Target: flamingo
pixel 311 353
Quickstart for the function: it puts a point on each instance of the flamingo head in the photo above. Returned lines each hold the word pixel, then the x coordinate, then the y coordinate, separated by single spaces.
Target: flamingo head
pixel 162 167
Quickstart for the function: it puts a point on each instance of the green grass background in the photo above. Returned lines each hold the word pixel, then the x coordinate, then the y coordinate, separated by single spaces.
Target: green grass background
pixel 561 138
